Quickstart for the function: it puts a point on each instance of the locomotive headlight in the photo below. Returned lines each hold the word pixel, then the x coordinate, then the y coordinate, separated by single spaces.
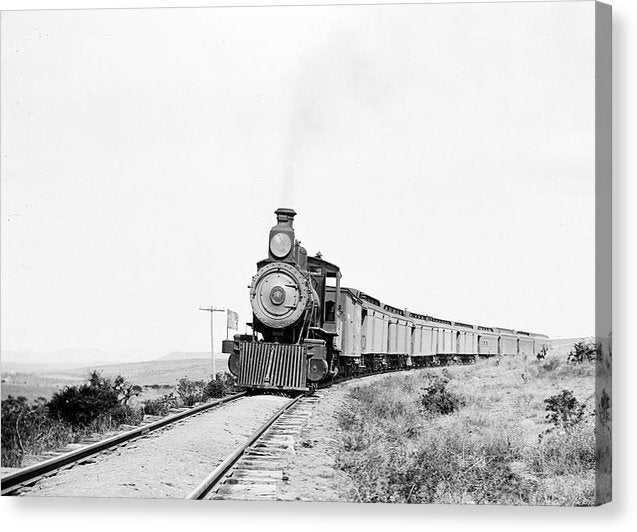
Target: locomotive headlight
pixel 280 245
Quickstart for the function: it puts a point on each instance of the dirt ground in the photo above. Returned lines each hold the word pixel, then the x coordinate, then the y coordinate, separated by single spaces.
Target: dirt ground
pixel 311 473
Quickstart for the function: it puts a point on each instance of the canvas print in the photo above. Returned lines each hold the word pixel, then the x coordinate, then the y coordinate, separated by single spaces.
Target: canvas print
pixel 345 253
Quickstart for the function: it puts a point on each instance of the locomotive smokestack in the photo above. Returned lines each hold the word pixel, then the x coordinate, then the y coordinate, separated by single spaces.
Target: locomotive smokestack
pixel 285 217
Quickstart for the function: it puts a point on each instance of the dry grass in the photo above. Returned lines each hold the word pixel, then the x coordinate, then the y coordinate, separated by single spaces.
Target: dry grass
pixel 489 451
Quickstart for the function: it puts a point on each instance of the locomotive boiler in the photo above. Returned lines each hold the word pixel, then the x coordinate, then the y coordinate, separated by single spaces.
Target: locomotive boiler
pixel 306 328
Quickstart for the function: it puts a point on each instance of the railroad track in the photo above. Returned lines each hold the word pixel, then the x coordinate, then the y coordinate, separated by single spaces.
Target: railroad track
pixel 255 469
pixel 28 476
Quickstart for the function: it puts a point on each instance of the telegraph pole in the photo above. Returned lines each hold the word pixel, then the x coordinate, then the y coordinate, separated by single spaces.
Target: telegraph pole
pixel 212 311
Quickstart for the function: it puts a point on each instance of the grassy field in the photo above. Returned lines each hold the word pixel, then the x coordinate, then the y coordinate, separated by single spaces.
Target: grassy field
pixel 156 376
pixel 494 448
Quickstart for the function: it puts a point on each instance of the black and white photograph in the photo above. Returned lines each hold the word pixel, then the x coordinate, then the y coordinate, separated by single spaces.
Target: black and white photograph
pixel 308 254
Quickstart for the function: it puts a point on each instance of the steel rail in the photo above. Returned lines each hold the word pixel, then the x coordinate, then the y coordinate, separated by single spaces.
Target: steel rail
pixel 211 481
pixel 13 481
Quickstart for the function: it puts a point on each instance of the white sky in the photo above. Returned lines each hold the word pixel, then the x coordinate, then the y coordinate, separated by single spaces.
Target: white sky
pixel 442 155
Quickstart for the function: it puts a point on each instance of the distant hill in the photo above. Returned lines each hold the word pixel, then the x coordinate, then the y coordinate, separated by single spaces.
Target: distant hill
pixel 76 357
pixel 186 355
pixel 45 380
pixel 82 358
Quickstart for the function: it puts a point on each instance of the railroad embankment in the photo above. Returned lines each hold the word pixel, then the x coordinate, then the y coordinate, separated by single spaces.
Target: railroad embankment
pixel 505 431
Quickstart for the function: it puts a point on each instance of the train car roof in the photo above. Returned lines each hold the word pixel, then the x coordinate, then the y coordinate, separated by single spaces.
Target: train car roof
pixel 319 261
pixel 425 317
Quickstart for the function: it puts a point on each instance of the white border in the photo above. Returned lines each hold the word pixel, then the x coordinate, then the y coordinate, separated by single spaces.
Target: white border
pixel 53 515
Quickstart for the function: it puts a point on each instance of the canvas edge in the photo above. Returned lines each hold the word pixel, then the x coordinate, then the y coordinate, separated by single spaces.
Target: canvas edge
pixel 603 250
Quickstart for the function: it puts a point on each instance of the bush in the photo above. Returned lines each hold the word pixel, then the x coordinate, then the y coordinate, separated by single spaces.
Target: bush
pixel 160 406
pixel 564 410
pixel 547 365
pixel 99 400
pixel 585 351
pixel 70 415
pixel 191 392
pixel 223 384
pixel 82 405
pixel 124 414
pixel 215 389
pixel 437 400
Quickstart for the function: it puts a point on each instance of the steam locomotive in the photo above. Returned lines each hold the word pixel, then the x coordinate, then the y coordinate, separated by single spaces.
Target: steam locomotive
pixel 307 329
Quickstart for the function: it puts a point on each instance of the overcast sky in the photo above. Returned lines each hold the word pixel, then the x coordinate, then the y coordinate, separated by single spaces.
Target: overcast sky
pixel 442 155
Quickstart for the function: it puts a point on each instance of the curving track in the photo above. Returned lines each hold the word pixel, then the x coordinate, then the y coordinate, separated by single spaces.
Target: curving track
pixel 247 463
pixel 59 475
pixel 254 469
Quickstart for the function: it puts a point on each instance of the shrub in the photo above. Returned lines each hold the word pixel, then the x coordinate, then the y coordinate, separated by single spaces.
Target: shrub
pixel 564 410
pixel 99 400
pixel 82 405
pixel 70 415
pixel 191 392
pixel 160 406
pixel 215 389
pixel 547 365
pixel 585 351
pixel 222 384
pixel 436 399
pixel 124 414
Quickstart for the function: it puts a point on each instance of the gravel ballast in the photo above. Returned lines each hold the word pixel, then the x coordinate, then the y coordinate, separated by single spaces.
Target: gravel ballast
pixel 168 463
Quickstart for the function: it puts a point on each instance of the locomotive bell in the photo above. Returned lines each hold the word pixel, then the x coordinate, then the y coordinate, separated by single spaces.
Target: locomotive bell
pixel 281 242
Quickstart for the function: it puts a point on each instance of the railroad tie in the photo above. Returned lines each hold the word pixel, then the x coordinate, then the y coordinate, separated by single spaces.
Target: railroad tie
pixel 258 475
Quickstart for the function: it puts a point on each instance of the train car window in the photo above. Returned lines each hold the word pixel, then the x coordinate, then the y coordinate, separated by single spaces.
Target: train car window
pixel 330 281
